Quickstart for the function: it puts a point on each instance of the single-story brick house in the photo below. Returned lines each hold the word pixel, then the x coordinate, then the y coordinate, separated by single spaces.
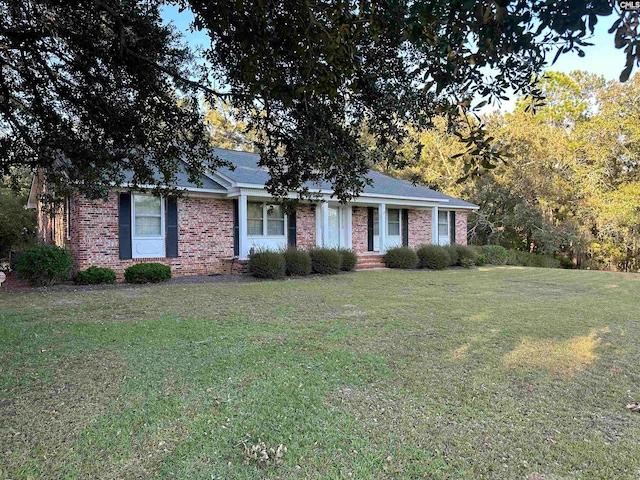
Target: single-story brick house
pixel 214 228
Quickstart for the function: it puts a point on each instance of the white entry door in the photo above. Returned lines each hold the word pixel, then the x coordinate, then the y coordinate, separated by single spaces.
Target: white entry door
pixel 444 228
pixel 338 231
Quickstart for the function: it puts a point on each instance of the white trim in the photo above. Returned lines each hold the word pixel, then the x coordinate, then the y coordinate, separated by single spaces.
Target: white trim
pixel 147 239
pixel 243 242
pixel 382 228
pixel 434 225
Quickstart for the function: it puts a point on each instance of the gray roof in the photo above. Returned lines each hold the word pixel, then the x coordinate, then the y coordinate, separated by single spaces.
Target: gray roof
pixel 182 180
pixel 247 171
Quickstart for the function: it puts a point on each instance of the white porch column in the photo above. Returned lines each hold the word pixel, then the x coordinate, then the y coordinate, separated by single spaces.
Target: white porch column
pixel 325 224
pixel 382 227
pixel 434 226
pixel 243 243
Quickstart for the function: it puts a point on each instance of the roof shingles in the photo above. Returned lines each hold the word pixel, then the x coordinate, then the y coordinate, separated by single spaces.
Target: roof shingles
pixel 247 171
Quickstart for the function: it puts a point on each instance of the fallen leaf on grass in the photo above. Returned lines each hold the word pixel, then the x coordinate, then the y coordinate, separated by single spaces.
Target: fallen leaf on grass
pixel 634 407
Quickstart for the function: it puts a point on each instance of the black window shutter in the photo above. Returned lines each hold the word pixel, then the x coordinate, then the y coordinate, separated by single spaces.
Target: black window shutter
pixel 405 227
pixel 124 225
pixel 172 228
pixel 236 229
pixel 292 229
pixel 370 229
pixel 452 219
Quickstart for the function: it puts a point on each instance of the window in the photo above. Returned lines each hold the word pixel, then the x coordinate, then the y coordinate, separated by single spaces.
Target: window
pixel 147 216
pixel 265 220
pixel 255 220
pixel 443 223
pixel 275 220
pixel 393 222
pixel 376 222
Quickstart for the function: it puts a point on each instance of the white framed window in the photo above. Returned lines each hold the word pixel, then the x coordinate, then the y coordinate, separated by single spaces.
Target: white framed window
pixel 376 222
pixel 445 228
pixel 255 219
pixel 147 227
pixel 275 220
pixel 393 222
pixel 265 220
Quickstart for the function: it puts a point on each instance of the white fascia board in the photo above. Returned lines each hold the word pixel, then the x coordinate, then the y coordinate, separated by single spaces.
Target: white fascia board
pixel 255 190
pixel 222 179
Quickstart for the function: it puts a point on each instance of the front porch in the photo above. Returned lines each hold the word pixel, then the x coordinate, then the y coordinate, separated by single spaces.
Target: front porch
pixel 260 225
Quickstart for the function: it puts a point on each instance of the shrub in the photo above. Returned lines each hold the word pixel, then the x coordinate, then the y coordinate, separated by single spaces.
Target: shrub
pixel 267 264
pixel 462 256
pixel 297 262
pixel 566 262
pixel 348 259
pixel 467 256
pixel 435 257
pixel 528 259
pixel 325 260
pixel 401 257
pixel 496 255
pixel 94 275
pixel 481 259
pixel 44 265
pixel 147 273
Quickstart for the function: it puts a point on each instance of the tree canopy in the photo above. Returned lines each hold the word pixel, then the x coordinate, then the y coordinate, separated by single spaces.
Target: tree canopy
pixel 92 89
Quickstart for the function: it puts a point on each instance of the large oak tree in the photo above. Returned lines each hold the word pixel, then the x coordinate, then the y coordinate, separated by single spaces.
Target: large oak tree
pixel 90 89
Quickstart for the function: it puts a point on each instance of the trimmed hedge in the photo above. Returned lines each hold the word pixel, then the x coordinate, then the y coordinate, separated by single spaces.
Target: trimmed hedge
pixel 297 262
pixel 325 260
pixel 496 255
pixel 44 265
pixel 462 256
pixel 267 264
pixel 94 276
pixel 481 260
pixel 147 273
pixel 528 259
pixel 435 257
pixel 348 259
pixel 401 257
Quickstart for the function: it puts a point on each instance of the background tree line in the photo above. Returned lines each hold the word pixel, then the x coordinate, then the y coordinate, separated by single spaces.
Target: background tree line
pixel 570 185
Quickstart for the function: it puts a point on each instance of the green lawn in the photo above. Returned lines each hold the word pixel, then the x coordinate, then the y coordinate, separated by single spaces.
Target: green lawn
pixel 487 373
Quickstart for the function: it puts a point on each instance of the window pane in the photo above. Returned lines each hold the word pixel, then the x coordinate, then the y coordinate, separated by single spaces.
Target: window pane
pixel 275 211
pixel 275 227
pixel 148 227
pixel 376 222
pixel 254 210
pixel 393 221
pixel 254 227
pixel 147 205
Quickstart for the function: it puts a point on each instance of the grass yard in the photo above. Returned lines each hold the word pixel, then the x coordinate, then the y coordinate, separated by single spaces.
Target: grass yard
pixel 487 373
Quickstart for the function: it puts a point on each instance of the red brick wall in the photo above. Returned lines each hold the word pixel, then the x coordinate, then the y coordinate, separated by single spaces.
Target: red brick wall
pixel 305 227
pixel 419 227
pixel 359 230
pixel 205 236
pixel 461 227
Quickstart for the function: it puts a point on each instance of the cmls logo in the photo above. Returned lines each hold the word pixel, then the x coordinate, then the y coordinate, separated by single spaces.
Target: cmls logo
pixel 628 6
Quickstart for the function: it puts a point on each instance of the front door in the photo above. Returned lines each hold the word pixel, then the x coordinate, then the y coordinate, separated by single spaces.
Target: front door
pixel 338 219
